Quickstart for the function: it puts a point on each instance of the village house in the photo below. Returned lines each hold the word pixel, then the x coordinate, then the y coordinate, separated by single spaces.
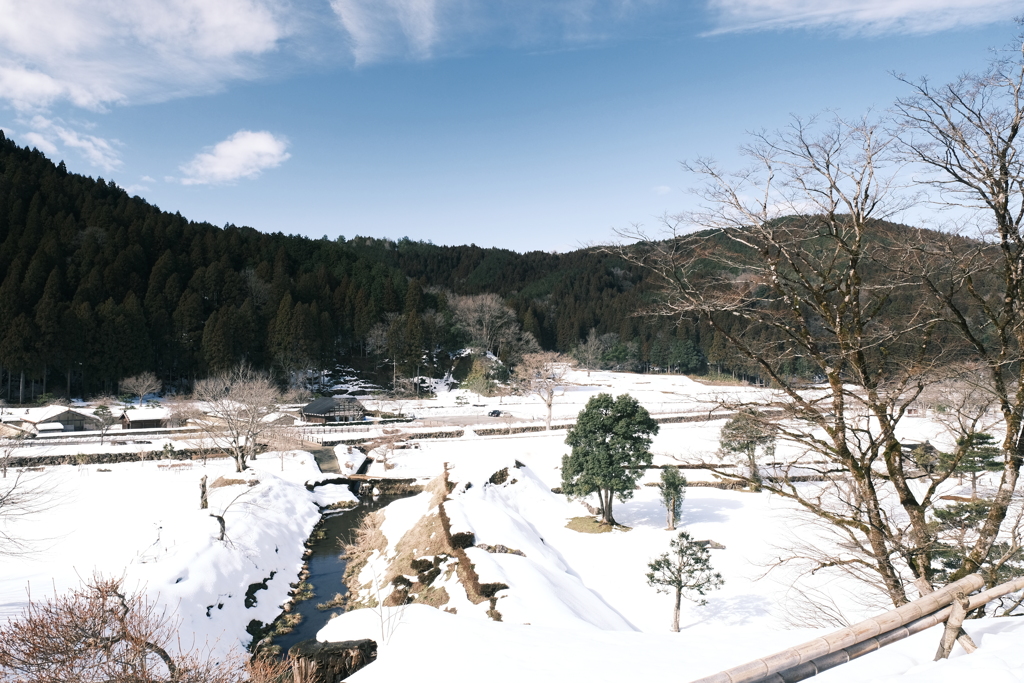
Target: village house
pixel 146 418
pixel 50 419
pixel 333 409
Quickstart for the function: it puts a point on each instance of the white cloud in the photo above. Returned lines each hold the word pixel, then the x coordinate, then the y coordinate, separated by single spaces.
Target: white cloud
pixel 41 143
pixel 661 189
pixel 243 155
pixel 868 16
pixel 94 53
pixel 376 27
pixel 46 133
pixel 419 29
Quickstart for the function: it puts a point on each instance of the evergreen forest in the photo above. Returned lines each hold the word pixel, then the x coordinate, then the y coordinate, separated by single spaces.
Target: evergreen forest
pixel 96 285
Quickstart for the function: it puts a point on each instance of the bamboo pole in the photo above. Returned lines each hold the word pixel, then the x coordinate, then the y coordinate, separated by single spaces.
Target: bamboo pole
pixel 761 669
pixel 816 666
pixel 957 614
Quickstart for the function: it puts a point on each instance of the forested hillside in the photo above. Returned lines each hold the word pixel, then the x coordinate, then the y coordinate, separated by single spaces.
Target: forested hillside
pixel 97 285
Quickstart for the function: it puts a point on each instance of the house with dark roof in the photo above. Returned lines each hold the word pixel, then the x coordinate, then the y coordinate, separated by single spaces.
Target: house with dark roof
pixel 333 409
pixel 146 418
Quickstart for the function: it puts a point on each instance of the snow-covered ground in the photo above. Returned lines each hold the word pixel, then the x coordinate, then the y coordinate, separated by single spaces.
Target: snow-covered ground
pixel 578 606
pixel 660 394
pixel 141 521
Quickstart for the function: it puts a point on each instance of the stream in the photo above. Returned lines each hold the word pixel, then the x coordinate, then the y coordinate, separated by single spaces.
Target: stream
pixel 326 568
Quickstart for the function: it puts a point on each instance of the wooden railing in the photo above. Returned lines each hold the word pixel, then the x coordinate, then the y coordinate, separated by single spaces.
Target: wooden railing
pixel 949 604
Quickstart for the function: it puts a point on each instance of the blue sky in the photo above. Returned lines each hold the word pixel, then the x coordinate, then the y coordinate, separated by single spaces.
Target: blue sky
pixel 527 125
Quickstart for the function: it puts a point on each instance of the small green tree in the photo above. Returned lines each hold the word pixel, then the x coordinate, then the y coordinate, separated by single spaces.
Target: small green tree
pixel 981 455
pixel 673 490
pixel 611 444
pixel 744 434
pixel 107 420
pixel 684 571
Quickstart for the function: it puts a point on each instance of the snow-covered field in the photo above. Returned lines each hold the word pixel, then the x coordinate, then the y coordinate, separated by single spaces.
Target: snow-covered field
pixel 578 606
pixel 141 521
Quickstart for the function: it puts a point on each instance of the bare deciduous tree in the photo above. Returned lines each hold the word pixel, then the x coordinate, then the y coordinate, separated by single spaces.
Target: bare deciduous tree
pixel 21 495
pixel 140 385
pixel 485 318
pixel 8 447
pixel 101 633
pixel 793 265
pixel 590 351
pixel 543 375
pixel 968 134
pixel 492 326
pixel 234 407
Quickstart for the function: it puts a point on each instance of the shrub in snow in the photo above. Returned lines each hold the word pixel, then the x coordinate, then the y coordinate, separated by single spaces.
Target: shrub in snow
pixel 684 571
pixel 100 633
pixel 745 434
pixel 673 489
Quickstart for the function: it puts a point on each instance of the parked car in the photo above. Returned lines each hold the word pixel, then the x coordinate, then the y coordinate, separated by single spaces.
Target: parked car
pixel 494 413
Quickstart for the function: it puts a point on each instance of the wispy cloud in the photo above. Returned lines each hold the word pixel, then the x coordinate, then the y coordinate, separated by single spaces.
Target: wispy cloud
pixel 94 53
pixel 380 27
pixel 243 155
pixel 379 30
pixel 48 135
pixel 860 16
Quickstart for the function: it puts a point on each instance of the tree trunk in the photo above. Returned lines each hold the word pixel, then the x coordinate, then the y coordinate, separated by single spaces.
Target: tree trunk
pixel 204 502
pixel 755 474
pixel 672 515
pixel 953 630
pixel 675 611
pixel 606 508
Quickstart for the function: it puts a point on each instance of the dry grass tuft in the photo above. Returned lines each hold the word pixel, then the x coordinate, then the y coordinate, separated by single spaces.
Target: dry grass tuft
pixel 225 481
pixel 589 525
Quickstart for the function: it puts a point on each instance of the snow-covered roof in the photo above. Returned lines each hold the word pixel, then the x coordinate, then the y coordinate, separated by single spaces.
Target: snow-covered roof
pixel 152 413
pixel 38 415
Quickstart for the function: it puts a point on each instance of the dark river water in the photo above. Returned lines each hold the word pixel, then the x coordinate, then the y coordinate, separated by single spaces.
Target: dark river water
pixel 326 567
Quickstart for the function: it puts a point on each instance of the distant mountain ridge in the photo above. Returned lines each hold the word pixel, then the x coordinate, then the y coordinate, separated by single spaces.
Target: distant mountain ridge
pixel 96 285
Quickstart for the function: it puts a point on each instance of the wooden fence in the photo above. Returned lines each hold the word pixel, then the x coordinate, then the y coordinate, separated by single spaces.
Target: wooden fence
pixel 949 604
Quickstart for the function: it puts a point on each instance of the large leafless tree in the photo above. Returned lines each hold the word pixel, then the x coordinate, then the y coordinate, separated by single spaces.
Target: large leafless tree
pixel 140 385
pixel 542 375
pixel 792 266
pixel 232 411
pixel 967 136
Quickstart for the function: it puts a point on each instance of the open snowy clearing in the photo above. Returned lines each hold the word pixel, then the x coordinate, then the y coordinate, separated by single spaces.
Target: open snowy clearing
pixel 577 605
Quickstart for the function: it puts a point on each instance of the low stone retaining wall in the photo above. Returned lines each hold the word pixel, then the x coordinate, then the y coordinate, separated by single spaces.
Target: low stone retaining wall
pixel 106 458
